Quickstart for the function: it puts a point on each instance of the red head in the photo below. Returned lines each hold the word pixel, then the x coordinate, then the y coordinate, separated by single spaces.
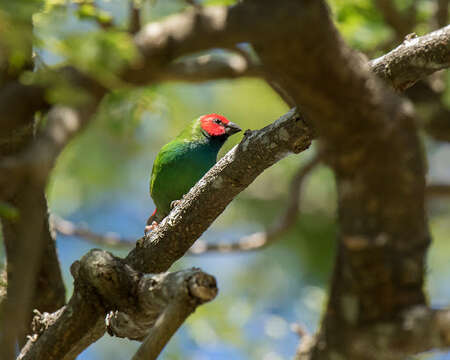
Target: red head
pixel 217 125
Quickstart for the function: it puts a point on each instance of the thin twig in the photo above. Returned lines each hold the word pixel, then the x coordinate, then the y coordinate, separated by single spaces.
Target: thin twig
pixel 189 32
pixel 251 242
pixel 260 240
pixel 68 228
pixel 134 17
pixel 438 191
pixel 247 243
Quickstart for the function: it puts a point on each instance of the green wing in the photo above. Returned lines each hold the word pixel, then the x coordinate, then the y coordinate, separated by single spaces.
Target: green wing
pixel 178 167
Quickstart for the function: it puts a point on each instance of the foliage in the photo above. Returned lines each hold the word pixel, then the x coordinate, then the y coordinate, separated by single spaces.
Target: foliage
pixel 102 177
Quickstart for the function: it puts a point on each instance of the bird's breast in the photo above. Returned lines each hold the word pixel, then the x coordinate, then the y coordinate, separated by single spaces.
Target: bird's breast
pixel 177 169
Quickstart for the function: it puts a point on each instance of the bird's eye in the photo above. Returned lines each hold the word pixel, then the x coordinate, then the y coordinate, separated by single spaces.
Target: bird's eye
pixel 217 121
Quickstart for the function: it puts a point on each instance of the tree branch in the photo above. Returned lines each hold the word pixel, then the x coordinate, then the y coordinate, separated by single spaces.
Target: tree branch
pixel 438 191
pixel 25 175
pixel 176 234
pixel 370 140
pixel 419 329
pixel 68 228
pixel 206 67
pixel 232 174
pixel 25 237
pixel 37 161
pixel 252 242
pixel 203 28
pixel 196 288
pixel 364 127
pixel 285 222
pixel 247 243
pixel 135 302
pixel 134 17
pixel 414 59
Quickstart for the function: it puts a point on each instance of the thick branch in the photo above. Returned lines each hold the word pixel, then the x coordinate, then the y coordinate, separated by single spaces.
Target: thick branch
pixel 38 160
pixel 232 174
pixel 23 175
pixel 280 227
pixel 370 140
pixel 252 242
pixel 414 59
pixel 205 68
pixel 247 243
pixel 194 30
pixel 106 284
pixel 417 330
pixel 203 28
pixel 175 235
pixel 361 126
pixel 25 237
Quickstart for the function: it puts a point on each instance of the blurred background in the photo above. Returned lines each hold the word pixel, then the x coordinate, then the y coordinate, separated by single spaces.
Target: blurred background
pixel 102 180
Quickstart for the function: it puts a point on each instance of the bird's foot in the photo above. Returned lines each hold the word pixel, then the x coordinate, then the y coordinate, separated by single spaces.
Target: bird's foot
pixel 151 227
pixel 174 204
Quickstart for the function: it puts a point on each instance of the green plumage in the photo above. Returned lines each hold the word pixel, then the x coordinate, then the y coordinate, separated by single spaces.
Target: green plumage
pixel 180 164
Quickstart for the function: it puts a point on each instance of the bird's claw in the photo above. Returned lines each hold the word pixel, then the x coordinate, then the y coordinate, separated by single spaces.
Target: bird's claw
pixel 151 227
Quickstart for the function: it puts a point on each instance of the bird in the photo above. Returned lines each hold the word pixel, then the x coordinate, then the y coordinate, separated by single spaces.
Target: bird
pixel 184 160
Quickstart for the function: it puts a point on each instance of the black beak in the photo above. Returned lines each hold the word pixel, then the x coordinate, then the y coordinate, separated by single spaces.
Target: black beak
pixel 232 128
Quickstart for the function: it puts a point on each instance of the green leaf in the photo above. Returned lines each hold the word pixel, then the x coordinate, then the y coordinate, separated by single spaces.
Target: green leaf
pixel 101 54
pixel 59 90
pixel 123 110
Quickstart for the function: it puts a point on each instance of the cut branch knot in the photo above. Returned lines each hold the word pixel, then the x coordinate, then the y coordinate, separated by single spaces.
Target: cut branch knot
pixel 157 293
pixel 203 287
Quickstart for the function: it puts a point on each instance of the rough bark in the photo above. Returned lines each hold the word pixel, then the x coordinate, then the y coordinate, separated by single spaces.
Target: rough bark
pixel 26 238
pixel 370 141
pixel 188 291
pixel 173 237
pixel 134 302
pixel 232 174
pixel 414 59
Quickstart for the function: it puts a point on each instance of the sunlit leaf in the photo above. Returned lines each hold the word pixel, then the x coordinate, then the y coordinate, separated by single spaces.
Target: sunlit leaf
pixel 101 54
